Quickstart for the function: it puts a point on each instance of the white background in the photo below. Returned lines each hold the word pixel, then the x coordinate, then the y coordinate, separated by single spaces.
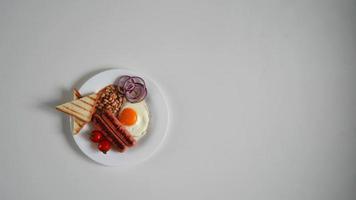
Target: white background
pixel 262 95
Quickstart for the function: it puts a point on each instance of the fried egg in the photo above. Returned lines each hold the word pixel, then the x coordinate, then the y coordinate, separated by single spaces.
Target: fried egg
pixel 135 118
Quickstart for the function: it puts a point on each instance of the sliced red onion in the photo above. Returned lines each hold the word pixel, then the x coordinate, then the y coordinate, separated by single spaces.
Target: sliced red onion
pixel 133 88
pixel 137 79
pixel 137 94
pixel 120 82
pixel 129 85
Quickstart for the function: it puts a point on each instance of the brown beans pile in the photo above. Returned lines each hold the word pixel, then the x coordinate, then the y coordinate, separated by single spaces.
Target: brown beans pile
pixel 109 100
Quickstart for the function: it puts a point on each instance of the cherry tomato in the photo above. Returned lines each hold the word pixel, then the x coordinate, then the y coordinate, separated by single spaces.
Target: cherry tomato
pixel 96 136
pixel 104 146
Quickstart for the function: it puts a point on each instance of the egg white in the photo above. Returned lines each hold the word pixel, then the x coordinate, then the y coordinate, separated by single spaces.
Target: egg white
pixel 139 129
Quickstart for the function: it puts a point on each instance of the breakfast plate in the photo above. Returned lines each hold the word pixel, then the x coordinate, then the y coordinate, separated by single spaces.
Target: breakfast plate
pixel 138 117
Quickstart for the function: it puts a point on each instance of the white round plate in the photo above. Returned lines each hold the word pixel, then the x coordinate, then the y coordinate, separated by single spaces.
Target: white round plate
pixel 148 144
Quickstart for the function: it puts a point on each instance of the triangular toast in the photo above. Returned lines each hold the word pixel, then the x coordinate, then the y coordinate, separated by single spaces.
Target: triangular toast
pixel 77 123
pixel 82 108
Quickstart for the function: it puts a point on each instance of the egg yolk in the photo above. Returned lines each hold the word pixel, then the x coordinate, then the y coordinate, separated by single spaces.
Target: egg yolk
pixel 128 116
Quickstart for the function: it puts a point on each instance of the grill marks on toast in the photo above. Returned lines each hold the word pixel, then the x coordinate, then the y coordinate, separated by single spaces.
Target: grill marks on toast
pixel 82 108
pixel 77 123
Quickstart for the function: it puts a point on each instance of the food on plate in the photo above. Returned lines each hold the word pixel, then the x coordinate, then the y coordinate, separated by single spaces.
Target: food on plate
pixel 76 94
pixel 132 87
pixel 108 135
pixel 135 118
pixel 109 100
pixel 96 136
pixel 128 116
pixel 77 123
pixel 104 146
pixel 107 122
pixel 118 112
pixel 82 108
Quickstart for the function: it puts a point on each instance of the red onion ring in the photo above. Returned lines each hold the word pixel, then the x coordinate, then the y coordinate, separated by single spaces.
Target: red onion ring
pixel 129 85
pixel 133 88
pixel 120 82
pixel 137 79
pixel 137 94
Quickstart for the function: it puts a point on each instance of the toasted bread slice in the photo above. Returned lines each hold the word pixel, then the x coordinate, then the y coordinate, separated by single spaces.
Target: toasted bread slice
pixel 77 123
pixel 76 94
pixel 82 108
